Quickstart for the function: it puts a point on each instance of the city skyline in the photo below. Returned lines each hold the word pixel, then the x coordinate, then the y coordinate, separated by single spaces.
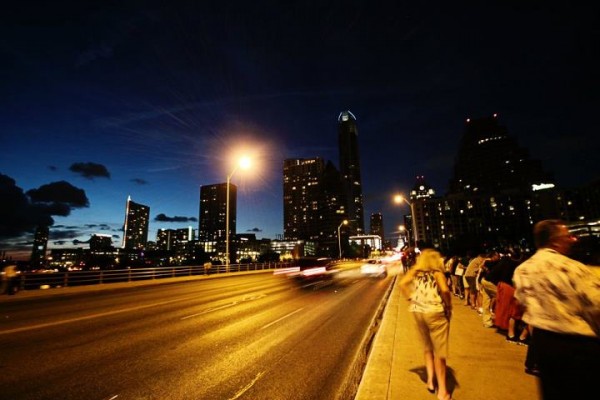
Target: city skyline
pixel 113 101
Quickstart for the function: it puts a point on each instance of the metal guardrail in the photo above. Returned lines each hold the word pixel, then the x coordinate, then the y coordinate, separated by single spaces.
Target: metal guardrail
pixel 35 280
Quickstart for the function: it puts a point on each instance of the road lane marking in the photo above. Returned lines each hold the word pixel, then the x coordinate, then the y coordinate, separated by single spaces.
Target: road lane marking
pixel 282 318
pixel 254 297
pixel 209 310
pixel 247 387
pixel 92 316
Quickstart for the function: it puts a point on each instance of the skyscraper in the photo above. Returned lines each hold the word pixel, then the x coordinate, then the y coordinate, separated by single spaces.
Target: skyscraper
pixel 350 169
pixel 212 219
pixel 302 186
pixel 489 160
pixel 313 204
pixel 137 218
pixel 40 244
pixel 493 198
pixel 377 225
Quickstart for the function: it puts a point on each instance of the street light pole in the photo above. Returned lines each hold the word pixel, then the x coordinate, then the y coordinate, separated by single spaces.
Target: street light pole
pixel 244 163
pixel 398 199
pixel 344 222
pixel 227 221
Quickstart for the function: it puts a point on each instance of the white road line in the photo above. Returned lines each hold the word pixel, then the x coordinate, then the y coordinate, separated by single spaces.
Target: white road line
pixel 284 317
pixel 208 310
pixel 92 316
pixel 248 386
pixel 250 298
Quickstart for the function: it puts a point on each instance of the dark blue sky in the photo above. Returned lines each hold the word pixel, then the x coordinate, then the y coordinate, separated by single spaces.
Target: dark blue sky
pixel 150 99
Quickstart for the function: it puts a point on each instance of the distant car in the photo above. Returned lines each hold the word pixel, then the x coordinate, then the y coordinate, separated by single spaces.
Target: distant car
pixel 314 268
pixel 374 268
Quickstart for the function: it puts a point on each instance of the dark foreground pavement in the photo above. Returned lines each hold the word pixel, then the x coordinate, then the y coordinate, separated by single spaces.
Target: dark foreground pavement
pixel 481 364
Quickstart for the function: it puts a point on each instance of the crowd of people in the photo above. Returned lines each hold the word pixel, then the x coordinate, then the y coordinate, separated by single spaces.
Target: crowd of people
pixel 485 284
pixel 546 301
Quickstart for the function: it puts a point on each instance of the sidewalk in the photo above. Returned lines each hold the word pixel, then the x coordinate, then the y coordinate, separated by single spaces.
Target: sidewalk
pixel 481 364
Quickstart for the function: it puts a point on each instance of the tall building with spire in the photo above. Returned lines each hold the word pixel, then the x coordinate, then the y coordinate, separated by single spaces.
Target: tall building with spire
pixel 350 170
pixel 137 218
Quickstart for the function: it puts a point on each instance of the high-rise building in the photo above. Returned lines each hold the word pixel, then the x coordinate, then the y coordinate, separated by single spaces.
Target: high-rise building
pixel 377 226
pixel 40 244
pixel 302 188
pixel 213 214
pixel 313 205
pixel 489 160
pixel 496 194
pixel 137 218
pixel 101 243
pixel 174 239
pixel 350 169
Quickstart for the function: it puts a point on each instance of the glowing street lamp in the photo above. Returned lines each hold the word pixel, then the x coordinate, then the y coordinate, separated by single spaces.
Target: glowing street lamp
pixel 344 222
pixel 398 199
pixel 243 163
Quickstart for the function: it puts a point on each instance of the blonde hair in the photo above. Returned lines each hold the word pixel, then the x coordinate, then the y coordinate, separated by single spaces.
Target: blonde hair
pixel 430 260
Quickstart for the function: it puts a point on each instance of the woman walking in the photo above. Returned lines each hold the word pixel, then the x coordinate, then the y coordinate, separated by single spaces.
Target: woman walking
pixel 431 304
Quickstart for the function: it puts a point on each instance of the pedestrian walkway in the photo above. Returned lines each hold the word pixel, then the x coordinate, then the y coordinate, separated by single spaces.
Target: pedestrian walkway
pixel 481 364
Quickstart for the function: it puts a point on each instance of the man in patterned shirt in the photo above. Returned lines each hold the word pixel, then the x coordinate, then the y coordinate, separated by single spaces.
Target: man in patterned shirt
pixel 561 298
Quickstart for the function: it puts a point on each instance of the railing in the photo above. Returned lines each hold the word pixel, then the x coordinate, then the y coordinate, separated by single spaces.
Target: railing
pixel 35 280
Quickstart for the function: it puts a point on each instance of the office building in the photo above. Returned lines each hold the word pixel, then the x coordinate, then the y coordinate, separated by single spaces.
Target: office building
pixel 495 196
pixel 313 205
pixel 174 239
pixel 490 161
pixel 101 243
pixel 40 245
pixel 350 170
pixel 377 227
pixel 212 219
pixel 137 218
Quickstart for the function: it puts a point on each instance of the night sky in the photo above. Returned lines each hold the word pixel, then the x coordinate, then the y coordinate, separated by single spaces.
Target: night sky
pixel 151 99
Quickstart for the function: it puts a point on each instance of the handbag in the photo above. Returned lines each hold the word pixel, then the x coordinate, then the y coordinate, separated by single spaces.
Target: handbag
pixel 460 270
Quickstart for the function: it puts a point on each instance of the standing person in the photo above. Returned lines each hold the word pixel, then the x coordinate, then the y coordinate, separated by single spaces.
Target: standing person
pixel 489 276
pixel 457 278
pixel 9 279
pixel 470 280
pixel 561 300
pixel 431 304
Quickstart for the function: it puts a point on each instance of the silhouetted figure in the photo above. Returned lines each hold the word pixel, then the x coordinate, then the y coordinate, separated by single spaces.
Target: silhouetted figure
pixel 561 300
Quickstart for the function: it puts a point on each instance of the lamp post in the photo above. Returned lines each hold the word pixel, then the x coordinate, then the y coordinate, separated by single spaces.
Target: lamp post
pixel 243 163
pixel 399 199
pixel 344 222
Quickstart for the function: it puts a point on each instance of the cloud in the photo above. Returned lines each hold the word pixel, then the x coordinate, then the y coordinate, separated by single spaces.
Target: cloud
pixel 62 193
pixel 17 214
pixel 256 230
pixel 90 170
pixel 164 218
pixel 21 212
pixel 139 181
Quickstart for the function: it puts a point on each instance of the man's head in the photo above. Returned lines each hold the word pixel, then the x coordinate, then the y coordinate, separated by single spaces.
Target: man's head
pixel 553 234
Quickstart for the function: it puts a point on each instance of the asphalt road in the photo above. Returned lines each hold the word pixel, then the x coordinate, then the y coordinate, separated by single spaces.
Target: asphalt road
pixel 246 337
